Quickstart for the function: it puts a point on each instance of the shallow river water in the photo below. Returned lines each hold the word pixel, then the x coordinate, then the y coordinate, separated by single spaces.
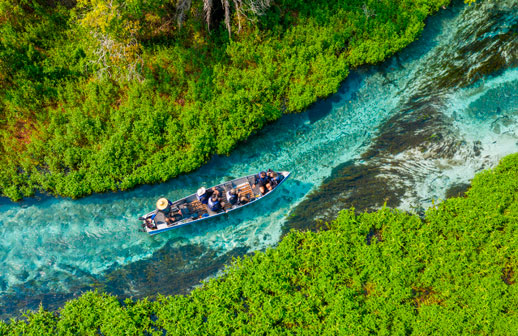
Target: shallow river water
pixel 408 132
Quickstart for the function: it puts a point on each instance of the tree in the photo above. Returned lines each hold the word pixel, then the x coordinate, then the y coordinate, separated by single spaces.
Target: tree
pixel 114 48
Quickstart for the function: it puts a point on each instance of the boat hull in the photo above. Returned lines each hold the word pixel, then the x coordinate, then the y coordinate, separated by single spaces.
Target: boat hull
pixel 192 211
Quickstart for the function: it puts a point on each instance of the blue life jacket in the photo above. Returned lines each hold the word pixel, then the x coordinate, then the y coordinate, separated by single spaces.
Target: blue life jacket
pixel 232 198
pixel 205 197
pixel 168 208
pixel 261 180
pixel 214 205
pixel 279 178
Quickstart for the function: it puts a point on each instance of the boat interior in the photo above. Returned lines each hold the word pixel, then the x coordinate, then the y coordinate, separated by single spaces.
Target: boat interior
pixel 190 208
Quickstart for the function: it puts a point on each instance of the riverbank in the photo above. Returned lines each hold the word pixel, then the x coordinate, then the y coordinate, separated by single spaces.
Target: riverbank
pixel 452 272
pixel 67 131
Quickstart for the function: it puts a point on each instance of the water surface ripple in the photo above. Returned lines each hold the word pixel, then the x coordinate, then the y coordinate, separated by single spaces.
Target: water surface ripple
pixel 404 132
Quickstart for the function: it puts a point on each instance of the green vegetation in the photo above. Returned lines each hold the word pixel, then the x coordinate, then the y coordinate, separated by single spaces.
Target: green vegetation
pixel 385 272
pixel 100 95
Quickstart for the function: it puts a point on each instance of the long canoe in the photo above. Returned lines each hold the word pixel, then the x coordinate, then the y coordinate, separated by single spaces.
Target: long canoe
pixel 189 210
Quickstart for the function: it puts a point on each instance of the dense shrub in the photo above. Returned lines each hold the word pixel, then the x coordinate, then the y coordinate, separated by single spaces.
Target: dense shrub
pixel 106 95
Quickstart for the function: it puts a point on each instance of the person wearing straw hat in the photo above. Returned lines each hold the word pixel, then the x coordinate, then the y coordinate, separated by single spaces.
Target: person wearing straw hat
pixel 163 210
pixel 163 204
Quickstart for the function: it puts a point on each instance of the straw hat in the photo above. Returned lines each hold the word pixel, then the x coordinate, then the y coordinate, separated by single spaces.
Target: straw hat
pixel 161 204
pixel 201 191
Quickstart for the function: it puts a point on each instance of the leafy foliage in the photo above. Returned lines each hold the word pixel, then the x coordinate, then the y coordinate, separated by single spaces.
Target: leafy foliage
pixel 100 95
pixel 385 272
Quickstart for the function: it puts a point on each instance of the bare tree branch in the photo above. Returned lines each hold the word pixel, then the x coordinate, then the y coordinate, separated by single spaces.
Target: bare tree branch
pixel 258 7
pixel 238 4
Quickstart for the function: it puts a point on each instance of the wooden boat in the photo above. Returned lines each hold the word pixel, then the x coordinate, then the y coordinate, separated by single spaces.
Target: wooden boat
pixel 189 210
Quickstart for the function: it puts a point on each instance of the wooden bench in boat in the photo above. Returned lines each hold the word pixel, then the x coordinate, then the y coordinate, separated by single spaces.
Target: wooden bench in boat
pixel 197 207
pixel 246 189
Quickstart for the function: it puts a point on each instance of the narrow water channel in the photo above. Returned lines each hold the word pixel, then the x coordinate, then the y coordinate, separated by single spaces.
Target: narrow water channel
pixel 403 132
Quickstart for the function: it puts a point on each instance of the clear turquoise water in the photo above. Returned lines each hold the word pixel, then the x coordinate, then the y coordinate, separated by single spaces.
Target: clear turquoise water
pixel 55 248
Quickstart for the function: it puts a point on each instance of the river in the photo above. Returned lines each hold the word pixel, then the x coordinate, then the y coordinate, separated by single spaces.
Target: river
pixel 407 132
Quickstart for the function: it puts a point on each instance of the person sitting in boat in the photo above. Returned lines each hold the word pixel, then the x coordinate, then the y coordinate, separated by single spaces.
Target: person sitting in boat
pixel 261 180
pixel 232 196
pixel 163 206
pixel 275 179
pixel 243 199
pixel 215 204
pixel 203 195
pixel 161 218
pixel 150 223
